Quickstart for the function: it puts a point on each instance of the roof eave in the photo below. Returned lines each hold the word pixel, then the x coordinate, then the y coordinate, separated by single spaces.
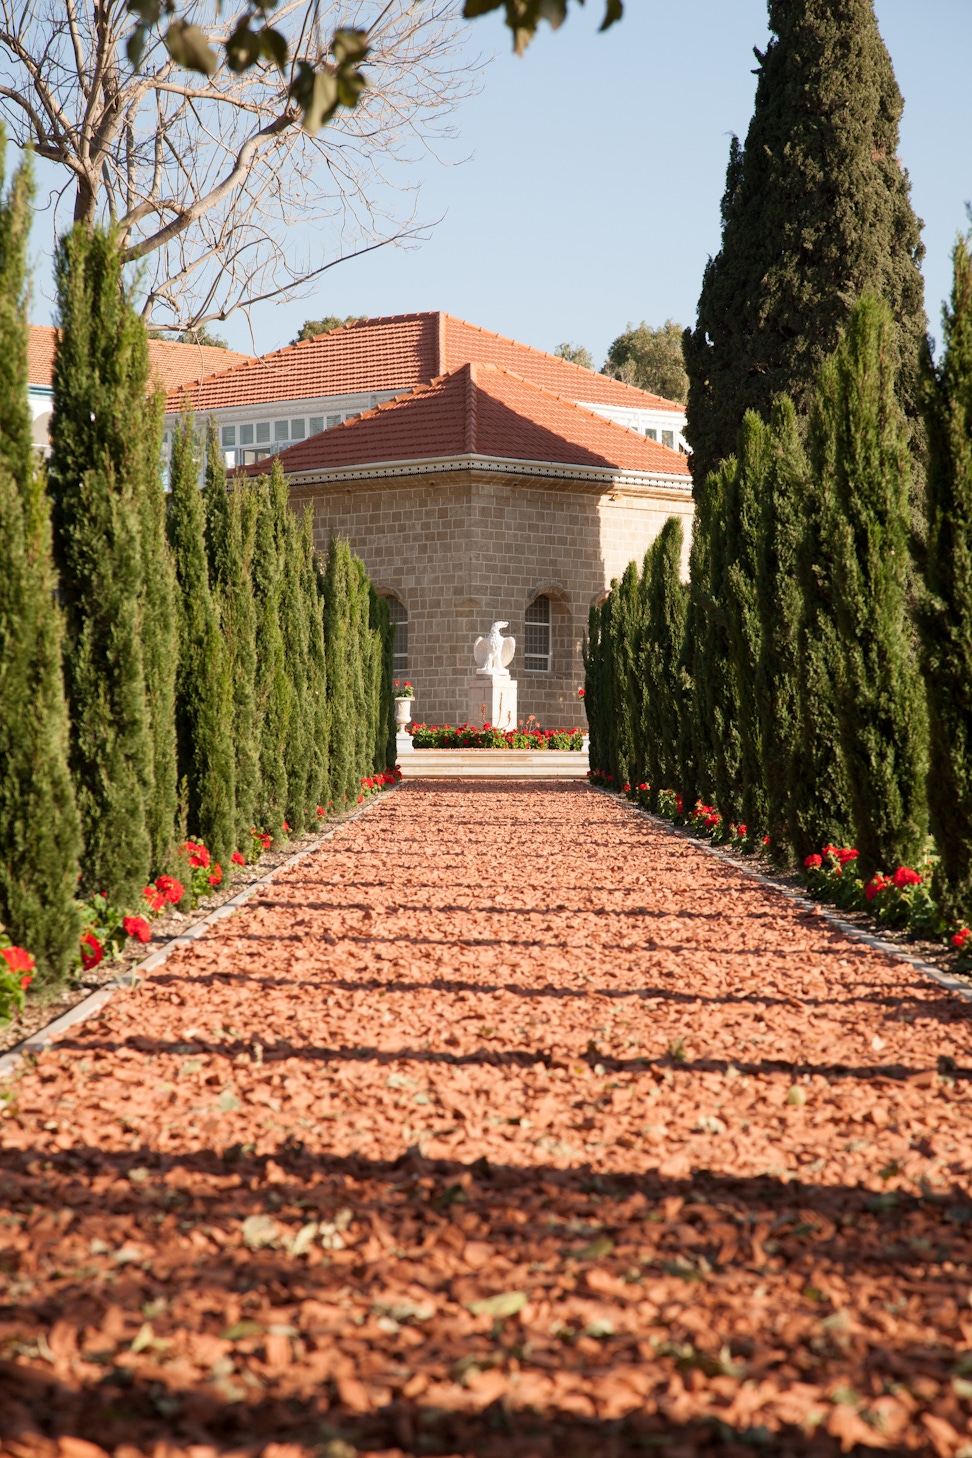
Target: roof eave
pixel 609 476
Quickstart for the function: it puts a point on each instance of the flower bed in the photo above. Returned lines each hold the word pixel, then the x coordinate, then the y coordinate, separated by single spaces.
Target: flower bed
pixel 468 736
pixel 904 899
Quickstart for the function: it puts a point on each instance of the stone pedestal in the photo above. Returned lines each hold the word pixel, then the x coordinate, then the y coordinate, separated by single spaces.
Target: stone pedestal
pixel 496 691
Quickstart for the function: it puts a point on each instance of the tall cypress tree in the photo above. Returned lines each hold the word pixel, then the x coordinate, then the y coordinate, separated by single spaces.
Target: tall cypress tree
pixel 593 688
pixel 946 612
pixel 312 581
pixel 337 640
pixel 231 521
pixel 664 634
pixel 880 698
pixel 97 455
pixel 39 827
pixel 295 629
pixel 817 792
pixel 779 603
pixel 714 695
pixel 385 732
pixel 204 703
pixel 160 637
pixel 273 693
pixel 743 513
pixel 626 622
pixel 816 211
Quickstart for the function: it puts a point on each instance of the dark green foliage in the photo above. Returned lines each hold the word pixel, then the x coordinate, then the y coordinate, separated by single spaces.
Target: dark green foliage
pixel 385 738
pixel 39 828
pixel 95 474
pixel 274 696
pixel 946 611
pixel 593 655
pixel 295 628
pixel 650 359
pixel 627 626
pixel 742 518
pixel 231 526
pixel 339 649
pixel 715 732
pixel 880 699
pixel 204 702
pixel 816 211
pixel 311 328
pixel 666 601
pixel 780 605
pixel 312 582
pixel 160 639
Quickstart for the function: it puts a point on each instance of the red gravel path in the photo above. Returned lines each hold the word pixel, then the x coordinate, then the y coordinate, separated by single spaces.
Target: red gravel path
pixel 497 1042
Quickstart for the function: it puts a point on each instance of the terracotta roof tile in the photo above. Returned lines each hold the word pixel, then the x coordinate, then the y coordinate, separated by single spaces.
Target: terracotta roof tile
pixel 398 353
pixel 173 364
pixel 482 410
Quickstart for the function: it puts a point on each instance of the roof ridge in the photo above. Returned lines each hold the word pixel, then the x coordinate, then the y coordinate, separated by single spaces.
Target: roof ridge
pixel 472 390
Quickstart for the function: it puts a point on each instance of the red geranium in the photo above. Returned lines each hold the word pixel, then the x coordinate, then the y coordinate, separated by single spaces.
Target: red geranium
pixel 961 937
pixel 581 693
pixel 92 951
pixel 876 884
pixel 905 876
pixel 238 859
pixel 217 875
pixel 18 960
pixel 170 888
pixel 813 862
pixel 137 927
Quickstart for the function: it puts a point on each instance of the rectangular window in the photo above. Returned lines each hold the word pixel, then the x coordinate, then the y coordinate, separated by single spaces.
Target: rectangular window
pixel 246 435
pixel 651 434
pixel 668 439
pixel 263 430
pixel 229 436
pixel 316 424
pixel 280 430
pixel 332 421
pixel 536 644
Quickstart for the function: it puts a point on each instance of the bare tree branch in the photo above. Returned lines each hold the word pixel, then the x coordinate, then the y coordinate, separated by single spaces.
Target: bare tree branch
pixel 212 181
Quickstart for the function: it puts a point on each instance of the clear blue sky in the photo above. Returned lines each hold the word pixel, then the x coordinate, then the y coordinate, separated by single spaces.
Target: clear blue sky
pixel 590 196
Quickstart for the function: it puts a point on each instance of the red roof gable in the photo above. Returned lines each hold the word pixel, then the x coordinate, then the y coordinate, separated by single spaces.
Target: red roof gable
pixel 172 364
pixel 397 354
pixel 481 410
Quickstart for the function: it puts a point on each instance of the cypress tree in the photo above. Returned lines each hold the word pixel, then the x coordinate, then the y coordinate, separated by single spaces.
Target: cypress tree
pixel 100 377
pixel 337 640
pixel 946 612
pixel 295 628
pixel 385 736
pixel 714 696
pixel 39 827
pixel 313 589
pixel 231 521
pixel 664 635
pixel 779 603
pixel 743 513
pixel 362 675
pixel 817 792
pixel 816 211
pixel 626 624
pixel 204 704
pixel 273 692
pixel 160 637
pixel 593 691
pixel 880 699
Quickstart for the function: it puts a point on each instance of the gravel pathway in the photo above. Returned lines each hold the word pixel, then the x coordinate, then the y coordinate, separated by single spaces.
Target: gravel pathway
pixel 507 1125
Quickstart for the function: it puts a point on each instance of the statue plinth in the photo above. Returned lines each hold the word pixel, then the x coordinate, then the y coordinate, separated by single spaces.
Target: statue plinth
pixel 492 699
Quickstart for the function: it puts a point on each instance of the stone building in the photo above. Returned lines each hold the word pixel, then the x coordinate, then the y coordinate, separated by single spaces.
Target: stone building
pixel 478 479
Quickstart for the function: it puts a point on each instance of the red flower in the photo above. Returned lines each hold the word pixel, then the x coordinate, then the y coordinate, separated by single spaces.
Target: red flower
pixel 238 859
pixel 627 788
pixel 92 951
pixel 742 829
pixel 813 862
pixel 26 980
pixel 642 786
pixel 905 876
pixel 197 853
pixel 170 888
pixel 876 884
pixel 154 898
pixel 18 960
pixel 360 799
pixel 286 826
pixel 581 693
pixel 321 811
pixel 766 840
pixel 961 937
pixel 217 875
pixel 137 927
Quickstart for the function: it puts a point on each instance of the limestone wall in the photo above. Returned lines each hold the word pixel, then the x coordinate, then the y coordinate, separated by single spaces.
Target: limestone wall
pixel 463 549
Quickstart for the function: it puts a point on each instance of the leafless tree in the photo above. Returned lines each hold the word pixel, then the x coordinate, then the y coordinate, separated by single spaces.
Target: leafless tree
pixel 218 192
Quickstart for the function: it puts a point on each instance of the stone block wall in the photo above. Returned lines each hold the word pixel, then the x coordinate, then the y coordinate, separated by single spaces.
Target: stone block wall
pixel 463 549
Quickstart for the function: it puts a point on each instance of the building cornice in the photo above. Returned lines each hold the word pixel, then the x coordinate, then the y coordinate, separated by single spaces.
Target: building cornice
pixel 608 477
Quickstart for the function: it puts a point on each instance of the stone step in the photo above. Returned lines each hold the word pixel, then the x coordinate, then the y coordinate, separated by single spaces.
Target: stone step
pixel 494 764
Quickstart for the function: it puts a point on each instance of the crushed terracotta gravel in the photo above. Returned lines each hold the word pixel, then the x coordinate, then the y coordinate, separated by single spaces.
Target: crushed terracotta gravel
pixel 509 1123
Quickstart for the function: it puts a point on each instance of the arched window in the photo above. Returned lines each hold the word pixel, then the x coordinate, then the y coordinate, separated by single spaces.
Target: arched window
pixel 399 619
pixel 536 645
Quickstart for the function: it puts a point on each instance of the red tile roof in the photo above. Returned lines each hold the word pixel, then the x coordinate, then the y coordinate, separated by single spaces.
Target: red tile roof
pixel 173 364
pixel 397 354
pixel 481 410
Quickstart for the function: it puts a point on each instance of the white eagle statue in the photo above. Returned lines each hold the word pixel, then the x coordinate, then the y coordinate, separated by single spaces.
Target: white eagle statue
pixel 494 653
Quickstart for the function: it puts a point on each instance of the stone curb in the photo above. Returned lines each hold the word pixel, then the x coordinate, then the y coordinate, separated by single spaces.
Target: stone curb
pixel 88 1006
pixel 800 898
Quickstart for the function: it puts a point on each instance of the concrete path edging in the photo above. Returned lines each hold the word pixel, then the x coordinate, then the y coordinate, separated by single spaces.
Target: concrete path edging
pixel 494 764
pixel 805 902
pixel 36 1042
